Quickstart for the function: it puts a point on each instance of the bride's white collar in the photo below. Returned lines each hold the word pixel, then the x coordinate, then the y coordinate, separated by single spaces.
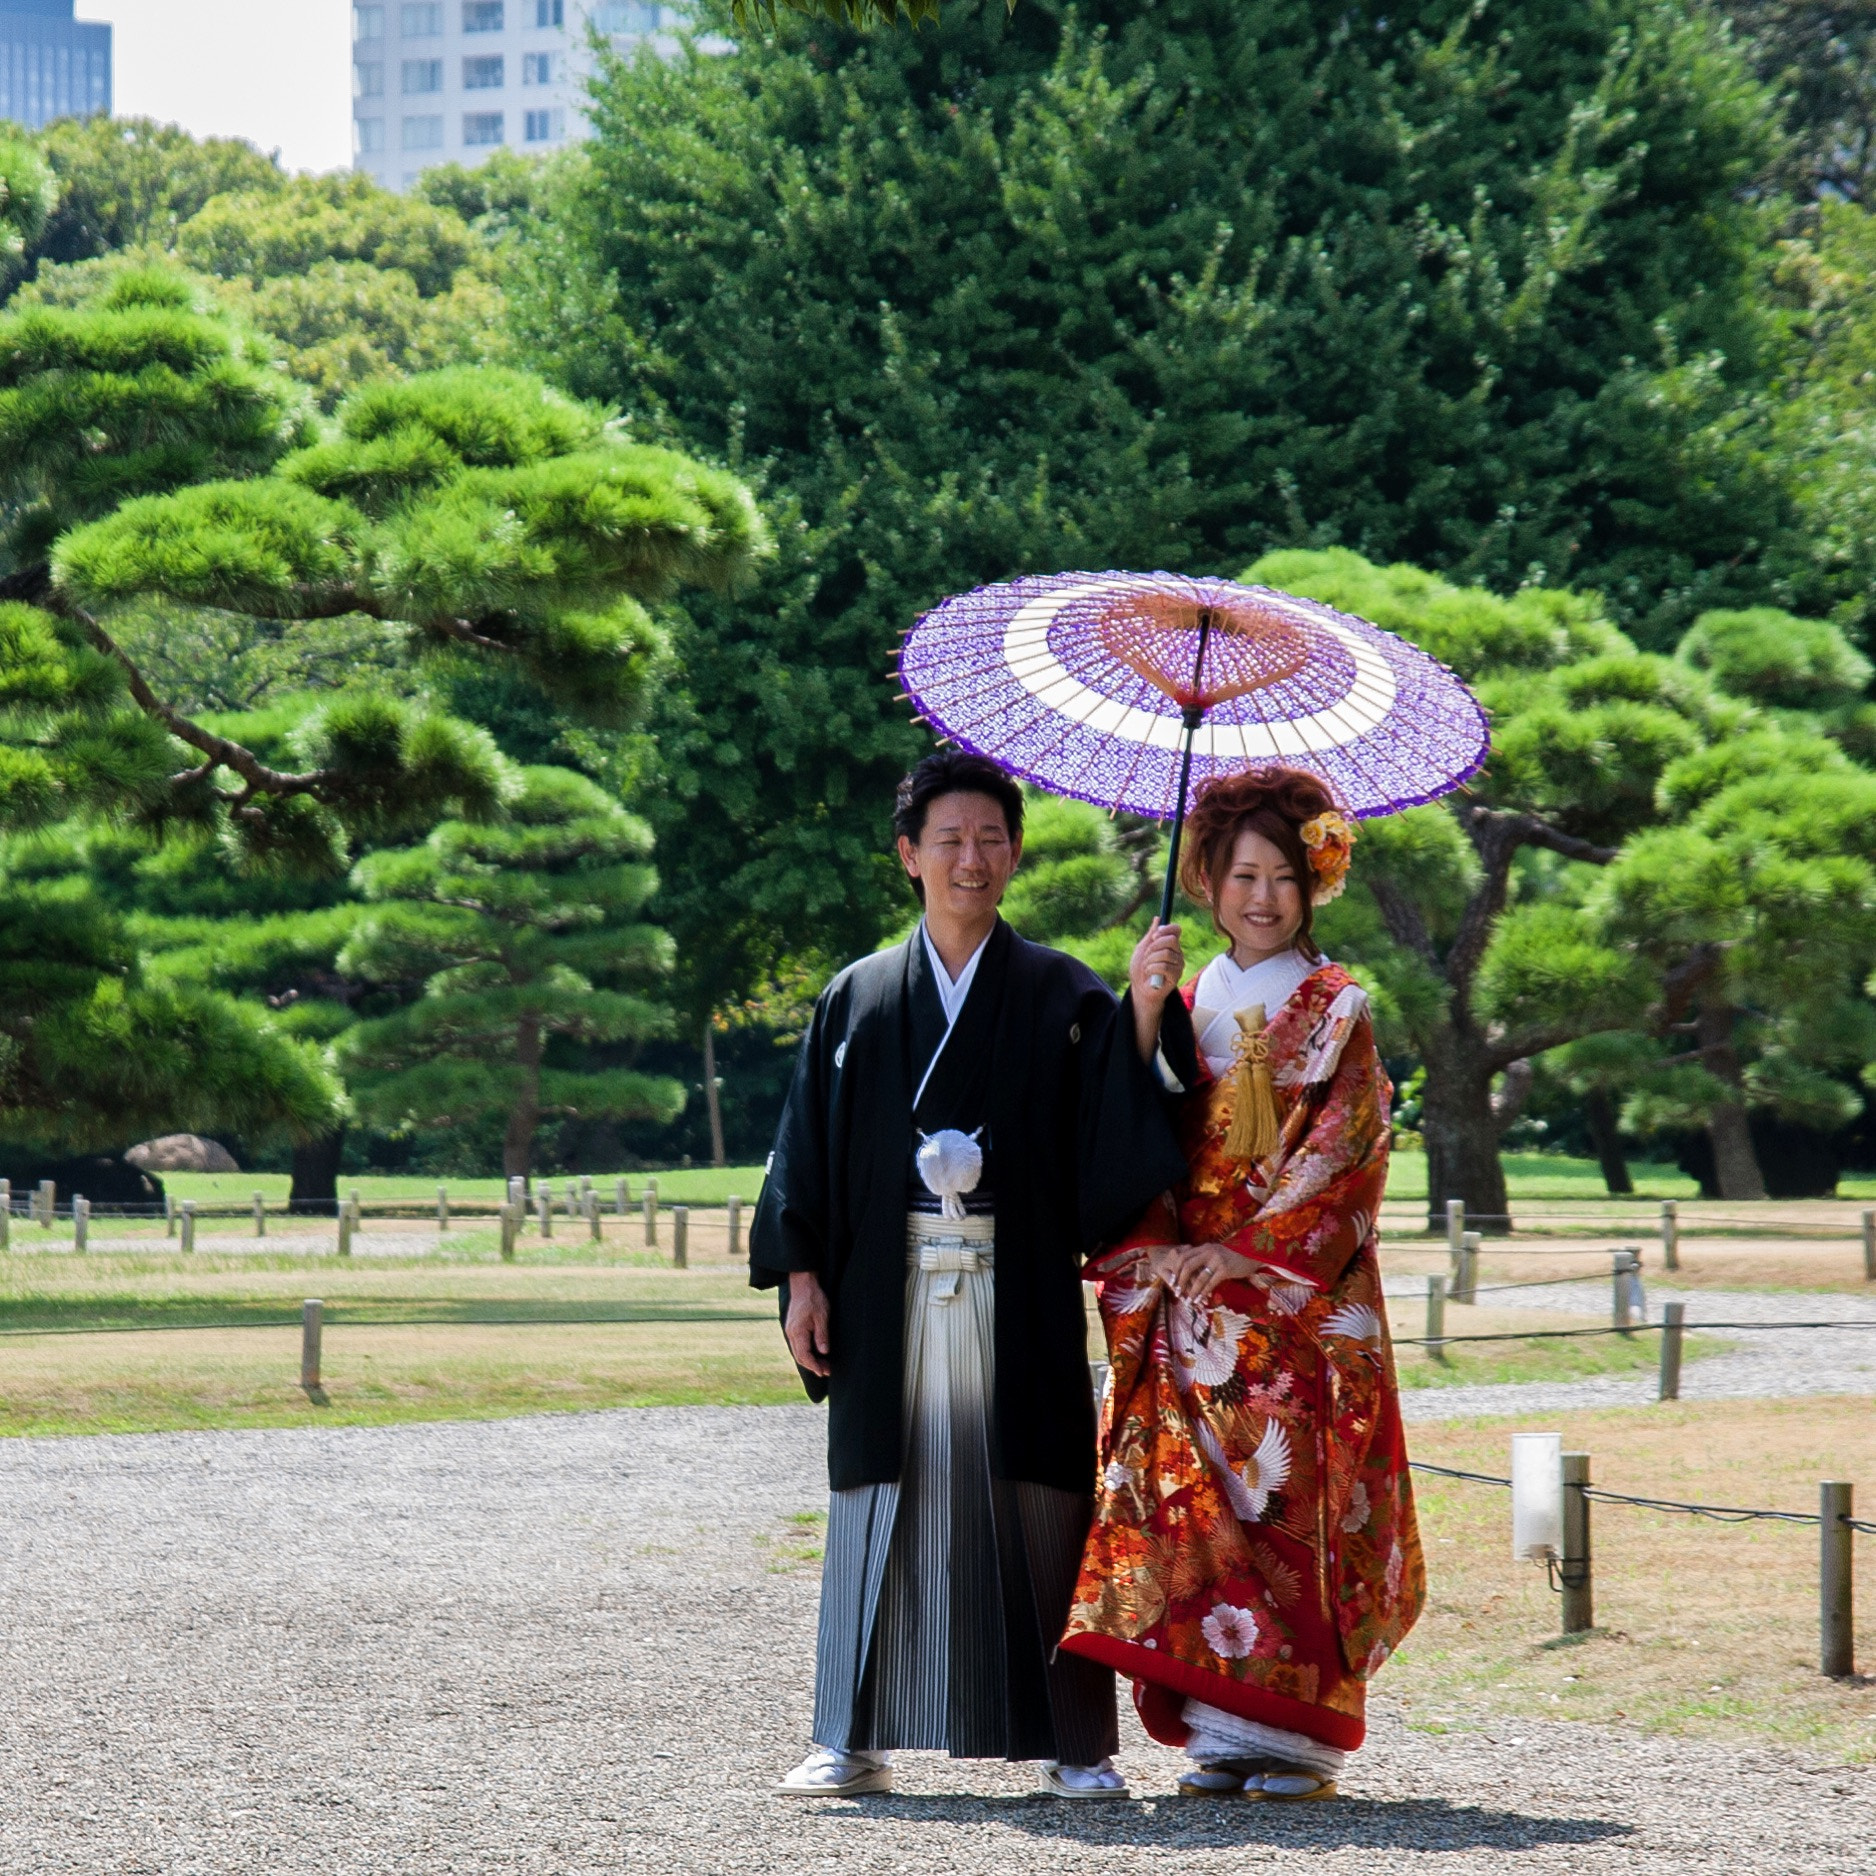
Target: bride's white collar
pixel 1224 988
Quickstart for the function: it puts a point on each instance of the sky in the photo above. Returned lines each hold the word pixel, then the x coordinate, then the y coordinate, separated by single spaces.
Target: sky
pixel 273 71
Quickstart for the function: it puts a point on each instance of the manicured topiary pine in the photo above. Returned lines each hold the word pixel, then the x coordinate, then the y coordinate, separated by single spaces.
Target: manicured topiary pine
pixel 467 511
pixel 530 936
pixel 151 455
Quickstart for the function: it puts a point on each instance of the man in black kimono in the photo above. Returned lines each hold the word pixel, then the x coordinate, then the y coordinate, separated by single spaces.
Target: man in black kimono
pixel 969 1118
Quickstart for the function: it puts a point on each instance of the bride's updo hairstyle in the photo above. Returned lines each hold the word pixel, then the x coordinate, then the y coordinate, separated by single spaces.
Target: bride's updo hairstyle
pixel 1274 802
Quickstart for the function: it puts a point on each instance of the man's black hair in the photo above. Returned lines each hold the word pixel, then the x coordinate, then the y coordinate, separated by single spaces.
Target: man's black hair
pixel 951 772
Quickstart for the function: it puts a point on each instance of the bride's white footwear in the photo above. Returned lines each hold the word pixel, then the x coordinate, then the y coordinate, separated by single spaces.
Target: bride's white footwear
pixel 826 1773
pixel 1083 1781
pixel 1290 1784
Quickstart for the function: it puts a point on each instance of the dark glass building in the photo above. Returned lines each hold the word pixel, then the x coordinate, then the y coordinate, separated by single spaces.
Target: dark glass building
pixel 52 65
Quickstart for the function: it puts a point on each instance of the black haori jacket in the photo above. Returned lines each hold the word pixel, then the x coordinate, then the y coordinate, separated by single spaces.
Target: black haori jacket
pixel 1079 1142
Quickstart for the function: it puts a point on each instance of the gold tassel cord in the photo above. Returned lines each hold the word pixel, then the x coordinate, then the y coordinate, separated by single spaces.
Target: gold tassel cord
pixel 1254 1126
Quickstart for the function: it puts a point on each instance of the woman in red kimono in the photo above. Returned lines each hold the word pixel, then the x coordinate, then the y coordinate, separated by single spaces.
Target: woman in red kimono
pixel 1254 1556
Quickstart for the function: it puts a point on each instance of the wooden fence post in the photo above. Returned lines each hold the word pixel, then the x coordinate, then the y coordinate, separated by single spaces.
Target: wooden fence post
pixel 544 1210
pixel 1436 1317
pixel 1673 1325
pixel 169 1214
pixel 260 1215
pixel 1836 1605
pixel 589 1203
pixel 346 1222
pixel 680 1236
pixel 1623 1265
pixel 651 1212
pixel 48 1203
pixel 1869 1245
pixel 6 1214
pixel 1466 1280
pixel 1579 1601
pixel 736 1226
pixel 442 1208
pixel 312 1325
pixel 1455 1225
pixel 510 1225
pixel 1670 1234
pixel 188 1225
pixel 621 1196
pixel 81 1223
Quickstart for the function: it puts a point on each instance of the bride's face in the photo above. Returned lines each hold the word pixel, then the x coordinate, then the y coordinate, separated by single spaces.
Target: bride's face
pixel 1259 902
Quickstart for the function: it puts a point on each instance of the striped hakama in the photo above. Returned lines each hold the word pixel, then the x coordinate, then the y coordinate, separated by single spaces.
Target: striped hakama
pixel 943 1595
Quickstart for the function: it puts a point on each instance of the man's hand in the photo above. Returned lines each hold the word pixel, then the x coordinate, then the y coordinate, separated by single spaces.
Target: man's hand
pixel 807 1328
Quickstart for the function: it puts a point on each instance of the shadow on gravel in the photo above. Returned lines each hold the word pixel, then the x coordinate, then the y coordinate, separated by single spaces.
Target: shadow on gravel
pixel 1187 1823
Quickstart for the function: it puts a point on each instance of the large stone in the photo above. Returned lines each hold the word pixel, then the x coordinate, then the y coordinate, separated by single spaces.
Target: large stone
pixel 182 1152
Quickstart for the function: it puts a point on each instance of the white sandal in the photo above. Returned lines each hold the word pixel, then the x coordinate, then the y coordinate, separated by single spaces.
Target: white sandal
pixel 1065 1781
pixel 1290 1784
pixel 827 1773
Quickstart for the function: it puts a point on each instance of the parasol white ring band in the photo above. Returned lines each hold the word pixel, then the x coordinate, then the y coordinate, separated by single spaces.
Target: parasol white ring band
pixel 1034 665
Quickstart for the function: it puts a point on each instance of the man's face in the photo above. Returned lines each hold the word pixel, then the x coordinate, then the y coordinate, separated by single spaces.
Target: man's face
pixel 964 856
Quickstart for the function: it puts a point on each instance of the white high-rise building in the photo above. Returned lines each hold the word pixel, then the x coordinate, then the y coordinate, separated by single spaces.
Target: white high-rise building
pixel 452 81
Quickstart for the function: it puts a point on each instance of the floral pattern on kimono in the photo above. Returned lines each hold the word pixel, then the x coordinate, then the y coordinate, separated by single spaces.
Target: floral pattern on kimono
pixel 1254 1543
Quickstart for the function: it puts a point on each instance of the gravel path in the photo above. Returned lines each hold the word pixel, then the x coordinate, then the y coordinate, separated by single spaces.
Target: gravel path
pixel 581 1644
pixel 1761 1364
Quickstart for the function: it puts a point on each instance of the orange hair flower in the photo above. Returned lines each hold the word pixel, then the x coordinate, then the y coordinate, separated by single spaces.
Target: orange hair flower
pixel 1330 841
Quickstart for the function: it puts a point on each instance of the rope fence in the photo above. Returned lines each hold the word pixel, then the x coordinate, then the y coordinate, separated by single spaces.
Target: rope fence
pixel 640 1314
pixel 1461 1235
pixel 581 1202
pixel 46 1202
pixel 1558 1535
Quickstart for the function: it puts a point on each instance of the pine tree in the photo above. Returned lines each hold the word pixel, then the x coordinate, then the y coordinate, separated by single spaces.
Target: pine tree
pixel 152 456
pixel 528 938
pixel 1756 904
pixel 102 1044
pixel 470 511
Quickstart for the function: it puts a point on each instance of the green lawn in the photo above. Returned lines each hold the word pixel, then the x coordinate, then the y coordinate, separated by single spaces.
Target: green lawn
pixel 1549 1176
pixel 698 1185
pixel 1529 1175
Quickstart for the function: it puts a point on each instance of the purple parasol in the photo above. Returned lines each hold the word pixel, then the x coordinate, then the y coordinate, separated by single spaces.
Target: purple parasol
pixel 1119 688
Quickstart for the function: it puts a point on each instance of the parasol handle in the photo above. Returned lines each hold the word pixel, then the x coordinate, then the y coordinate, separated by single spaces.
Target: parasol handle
pixel 1194 715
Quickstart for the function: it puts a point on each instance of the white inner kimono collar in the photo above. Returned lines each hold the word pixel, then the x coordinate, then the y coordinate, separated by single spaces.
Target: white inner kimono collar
pixel 1223 989
pixel 951 994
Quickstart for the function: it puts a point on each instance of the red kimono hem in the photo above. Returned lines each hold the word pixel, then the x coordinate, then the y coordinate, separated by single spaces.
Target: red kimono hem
pixel 1163 1675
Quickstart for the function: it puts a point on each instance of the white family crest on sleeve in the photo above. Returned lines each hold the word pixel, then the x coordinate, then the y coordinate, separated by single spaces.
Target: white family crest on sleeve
pixel 950 1163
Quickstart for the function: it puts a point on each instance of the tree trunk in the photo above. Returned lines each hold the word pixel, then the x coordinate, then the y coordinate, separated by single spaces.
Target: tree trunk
pixel 713 1103
pixel 1599 1114
pixel 1461 1132
pixel 1735 1164
pixel 524 1118
pixel 315 1188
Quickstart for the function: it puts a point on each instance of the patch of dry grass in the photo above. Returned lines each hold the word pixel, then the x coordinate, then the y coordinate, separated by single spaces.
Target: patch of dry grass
pixel 192 1378
pixel 1701 1628
pixel 684 1337
pixel 1706 1264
